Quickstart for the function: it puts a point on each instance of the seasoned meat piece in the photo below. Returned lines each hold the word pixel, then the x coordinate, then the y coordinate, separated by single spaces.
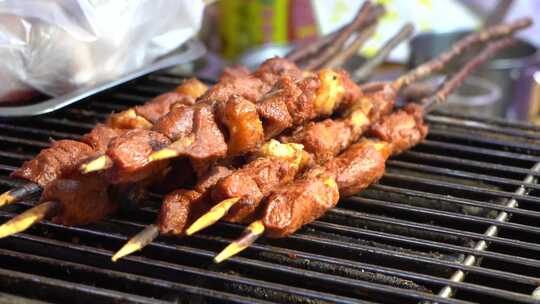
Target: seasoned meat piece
pixel 237 71
pixel 212 177
pixel 177 123
pixel 272 69
pixel 161 105
pixel 324 139
pixel 329 137
pixel 303 108
pixel 180 208
pixel 251 88
pixel 84 199
pixel 192 87
pixel 238 184
pixel 205 141
pixel 128 119
pixel 62 158
pixel 359 166
pixel 252 182
pixel 352 90
pixel 100 137
pixel 130 153
pixel 273 109
pixel 403 129
pixel 382 102
pixel 297 204
pixel 245 130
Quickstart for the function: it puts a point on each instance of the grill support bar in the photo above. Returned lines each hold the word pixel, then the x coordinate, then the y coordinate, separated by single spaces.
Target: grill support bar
pixel 491 231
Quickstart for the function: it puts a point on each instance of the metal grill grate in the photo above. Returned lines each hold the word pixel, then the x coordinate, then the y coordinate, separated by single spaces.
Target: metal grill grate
pixel 455 220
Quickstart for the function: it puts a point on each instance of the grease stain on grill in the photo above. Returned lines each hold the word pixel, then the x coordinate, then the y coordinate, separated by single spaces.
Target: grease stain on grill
pixel 344 271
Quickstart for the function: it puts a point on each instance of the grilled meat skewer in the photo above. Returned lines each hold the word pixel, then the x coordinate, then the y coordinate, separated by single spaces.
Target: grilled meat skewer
pixel 229 74
pixel 64 156
pixel 291 104
pixel 248 185
pixel 196 131
pixel 289 208
pixel 233 122
pixel 326 139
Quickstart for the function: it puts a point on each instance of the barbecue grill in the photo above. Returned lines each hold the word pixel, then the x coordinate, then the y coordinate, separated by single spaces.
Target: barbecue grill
pixel 455 220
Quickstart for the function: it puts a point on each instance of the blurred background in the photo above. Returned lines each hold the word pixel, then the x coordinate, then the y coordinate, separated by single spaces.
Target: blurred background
pixel 247 32
pixel 56 46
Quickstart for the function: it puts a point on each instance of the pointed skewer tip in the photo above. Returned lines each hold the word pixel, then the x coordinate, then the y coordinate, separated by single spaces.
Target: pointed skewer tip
pixel 28 218
pixel 7 198
pixel 212 216
pixel 16 194
pixel 138 242
pixel 249 235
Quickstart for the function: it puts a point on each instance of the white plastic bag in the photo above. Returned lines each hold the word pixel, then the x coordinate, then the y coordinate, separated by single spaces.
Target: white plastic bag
pixel 57 46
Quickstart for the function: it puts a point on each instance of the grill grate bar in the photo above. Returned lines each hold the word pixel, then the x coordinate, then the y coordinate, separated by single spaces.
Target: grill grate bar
pixel 463 187
pixel 492 230
pixel 475 125
pixel 85 112
pixel 102 295
pixel 18 155
pixel 222 240
pixel 487 120
pixel 434 245
pixel 119 275
pixel 444 230
pixel 476 150
pixel 460 173
pixel 65 122
pixel 158 265
pixel 467 162
pixel 440 213
pixel 38 131
pixel 456 200
pixel 16 140
pixel 474 138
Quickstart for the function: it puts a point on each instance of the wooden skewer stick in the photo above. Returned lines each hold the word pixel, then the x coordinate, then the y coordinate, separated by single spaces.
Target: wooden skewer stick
pixel 101 163
pixel 16 194
pixel 300 54
pixel 212 216
pixel 137 242
pixel 447 87
pixel 437 64
pixel 256 229
pixel 404 33
pixel 358 42
pixel 361 19
pixel 249 235
pixel 28 218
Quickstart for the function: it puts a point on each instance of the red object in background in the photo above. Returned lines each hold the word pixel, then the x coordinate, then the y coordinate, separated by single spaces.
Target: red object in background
pixel 302 23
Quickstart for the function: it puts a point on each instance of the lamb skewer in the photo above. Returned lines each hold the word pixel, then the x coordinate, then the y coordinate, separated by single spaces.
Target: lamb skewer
pixel 98 185
pixel 67 154
pixel 320 188
pixel 295 100
pixel 311 97
pixel 314 140
pixel 326 139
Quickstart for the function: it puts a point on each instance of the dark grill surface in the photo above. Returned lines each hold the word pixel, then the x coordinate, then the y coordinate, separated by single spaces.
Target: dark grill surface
pixel 455 220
